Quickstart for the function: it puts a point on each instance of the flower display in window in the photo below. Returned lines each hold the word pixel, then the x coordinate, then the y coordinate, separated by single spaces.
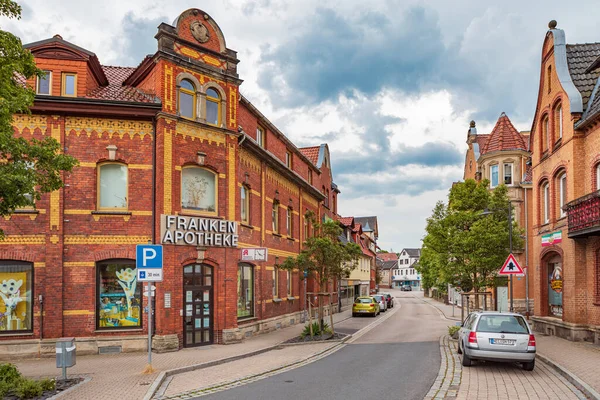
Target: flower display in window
pixel 127 279
pixel 10 291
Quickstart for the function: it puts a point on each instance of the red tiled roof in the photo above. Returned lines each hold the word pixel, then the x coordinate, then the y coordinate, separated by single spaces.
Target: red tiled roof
pixel 356 228
pixel 347 221
pixel 312 153
pixel 115 89
pixel 504 136
pixel 365 250
pixel 481 140
pixel 388 256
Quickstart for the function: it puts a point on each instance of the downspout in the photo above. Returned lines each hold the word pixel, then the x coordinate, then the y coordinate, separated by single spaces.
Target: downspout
pixel 526 257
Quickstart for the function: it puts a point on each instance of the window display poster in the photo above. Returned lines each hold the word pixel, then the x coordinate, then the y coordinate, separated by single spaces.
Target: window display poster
pixel 119 296
pixel 15 299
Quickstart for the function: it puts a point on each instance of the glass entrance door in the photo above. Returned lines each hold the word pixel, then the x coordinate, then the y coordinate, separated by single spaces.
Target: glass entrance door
pixel 198 301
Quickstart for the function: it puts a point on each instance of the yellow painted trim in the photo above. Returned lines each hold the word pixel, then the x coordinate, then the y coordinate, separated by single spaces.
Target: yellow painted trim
pixel 23 239
pixel 79 264
pixel 106 239
pixel 168 88
pixel 270 200
pixel 87 212
pixel 54 239
pixel 222 176
pixel 168 173
pixel 254 192
pixel 78 312
pixel 269 301
pixel 139 166
pixel 39 265
pixel 231 170
pixel 178 168
pixel 194 131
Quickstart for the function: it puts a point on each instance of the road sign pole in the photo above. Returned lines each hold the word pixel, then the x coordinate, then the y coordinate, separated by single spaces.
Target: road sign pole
pixel 510 249
pixel 149 326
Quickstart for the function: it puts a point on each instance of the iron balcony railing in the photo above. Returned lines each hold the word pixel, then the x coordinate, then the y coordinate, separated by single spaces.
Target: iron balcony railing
pixel 584 215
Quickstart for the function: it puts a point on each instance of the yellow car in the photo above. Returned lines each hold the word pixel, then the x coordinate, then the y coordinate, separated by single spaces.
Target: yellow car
pixel 365 305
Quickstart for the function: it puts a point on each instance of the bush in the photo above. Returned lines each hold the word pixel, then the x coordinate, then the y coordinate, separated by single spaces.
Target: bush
pixel 28 388
pixel 48 385
pixel 5 388
pixel 316 330
pixel 9 374
pixel 453 330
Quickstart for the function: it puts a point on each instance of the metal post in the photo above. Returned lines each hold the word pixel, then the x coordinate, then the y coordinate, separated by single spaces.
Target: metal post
pixel 63 356
pixel 149 325
pixel 510 225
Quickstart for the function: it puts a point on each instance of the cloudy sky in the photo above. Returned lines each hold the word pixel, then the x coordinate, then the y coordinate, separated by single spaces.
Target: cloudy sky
pixel 390 85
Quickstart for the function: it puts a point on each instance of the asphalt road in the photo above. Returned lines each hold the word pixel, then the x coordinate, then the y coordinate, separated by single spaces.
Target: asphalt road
pixel 398 359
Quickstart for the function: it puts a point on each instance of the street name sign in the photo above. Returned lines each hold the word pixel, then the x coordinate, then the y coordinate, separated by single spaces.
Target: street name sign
pixel 511 266
pixel 255 254
pixel 149 262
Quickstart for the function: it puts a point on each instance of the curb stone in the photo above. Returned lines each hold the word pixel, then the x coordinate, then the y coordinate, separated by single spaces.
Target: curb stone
pixel 449 377
pixel 156 386
pixel 572 378
pixel 59 395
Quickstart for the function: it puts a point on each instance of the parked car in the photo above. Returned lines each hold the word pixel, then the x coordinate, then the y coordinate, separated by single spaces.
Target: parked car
pixel 365 305
pixel 496 336
pixel 389 298
pixel 382 301
pixel 406 288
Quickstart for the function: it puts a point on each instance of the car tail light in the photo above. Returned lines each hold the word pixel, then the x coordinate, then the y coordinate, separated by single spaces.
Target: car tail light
pixel 472 337
pixel 371 305
pixel 531 341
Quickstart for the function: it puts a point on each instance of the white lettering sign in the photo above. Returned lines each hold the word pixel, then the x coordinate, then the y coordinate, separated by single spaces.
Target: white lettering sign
pixel 198 231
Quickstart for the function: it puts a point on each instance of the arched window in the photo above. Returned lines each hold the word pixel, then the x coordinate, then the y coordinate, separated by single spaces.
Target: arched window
pixel 545 134
pixel 187 99
pixel 213 100
pixel 558 114
pixel 112 187
pixel 598 177
pixel 198 190
pixel 545 202
pixel 245 307
pixel 562 194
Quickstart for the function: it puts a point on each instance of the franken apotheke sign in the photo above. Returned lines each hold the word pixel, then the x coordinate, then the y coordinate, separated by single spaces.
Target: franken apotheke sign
pixel 197 231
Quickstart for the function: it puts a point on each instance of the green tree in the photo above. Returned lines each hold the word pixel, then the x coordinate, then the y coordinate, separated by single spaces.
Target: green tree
pixel 324 257
pixel 28 168
pixel 463 246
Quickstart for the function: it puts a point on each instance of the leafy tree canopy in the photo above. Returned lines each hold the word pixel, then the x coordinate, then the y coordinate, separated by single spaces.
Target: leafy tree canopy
pixel 28 168
pixel 464 245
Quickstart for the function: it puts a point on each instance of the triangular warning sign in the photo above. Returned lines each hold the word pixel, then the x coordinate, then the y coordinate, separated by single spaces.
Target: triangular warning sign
pixel 511 266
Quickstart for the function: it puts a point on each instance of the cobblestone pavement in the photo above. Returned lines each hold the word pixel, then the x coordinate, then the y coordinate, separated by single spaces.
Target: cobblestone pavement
pixel 487 380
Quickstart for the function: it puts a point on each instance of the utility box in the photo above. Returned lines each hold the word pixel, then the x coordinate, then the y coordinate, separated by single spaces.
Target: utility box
pixel 65 353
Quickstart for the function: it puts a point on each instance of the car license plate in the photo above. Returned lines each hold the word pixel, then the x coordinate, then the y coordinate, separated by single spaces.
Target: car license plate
pixel 363 311
pixel 503 341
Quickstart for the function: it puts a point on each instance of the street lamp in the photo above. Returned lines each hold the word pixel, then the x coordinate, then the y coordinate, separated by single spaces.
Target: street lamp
pixel 510 249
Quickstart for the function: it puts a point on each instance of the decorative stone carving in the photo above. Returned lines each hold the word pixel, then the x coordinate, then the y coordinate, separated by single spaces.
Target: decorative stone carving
pixel 199 32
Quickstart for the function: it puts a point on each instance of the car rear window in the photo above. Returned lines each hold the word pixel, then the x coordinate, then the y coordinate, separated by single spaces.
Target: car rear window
pixel 378 297
pixel 363 301
pixel 502 324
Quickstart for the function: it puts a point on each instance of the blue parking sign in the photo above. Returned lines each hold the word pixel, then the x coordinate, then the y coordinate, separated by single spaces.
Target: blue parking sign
pixel 148 256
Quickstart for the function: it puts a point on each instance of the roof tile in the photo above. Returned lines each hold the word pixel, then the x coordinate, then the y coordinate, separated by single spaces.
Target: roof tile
pixel 117 91
pixel 579 58
pixel 312 153
pixel 504 136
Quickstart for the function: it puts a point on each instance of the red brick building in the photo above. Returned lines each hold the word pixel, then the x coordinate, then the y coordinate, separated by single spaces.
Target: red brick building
pixel 166 149
pixel 565 147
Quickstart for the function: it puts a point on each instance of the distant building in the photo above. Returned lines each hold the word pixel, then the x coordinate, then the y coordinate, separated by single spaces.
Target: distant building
pixel 387 263
pixel 405 272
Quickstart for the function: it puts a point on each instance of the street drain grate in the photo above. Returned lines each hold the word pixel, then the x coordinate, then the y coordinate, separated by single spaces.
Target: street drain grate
pixel 289 381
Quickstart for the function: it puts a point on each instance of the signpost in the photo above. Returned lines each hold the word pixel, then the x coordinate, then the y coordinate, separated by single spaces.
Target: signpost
pixel 511 267
pixel 149 264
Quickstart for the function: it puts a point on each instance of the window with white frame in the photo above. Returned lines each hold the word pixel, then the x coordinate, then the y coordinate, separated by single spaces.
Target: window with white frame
pixel 289 221
pixel 508 173
pixel 275 216
pixel 260 136
pixel 245 204
pixel 275 282
pixel 562 182
pixel 494 175
pixel 559 118
pixel 546 203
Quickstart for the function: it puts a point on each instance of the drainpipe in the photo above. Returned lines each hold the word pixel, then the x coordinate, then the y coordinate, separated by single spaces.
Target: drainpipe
pixel 526 257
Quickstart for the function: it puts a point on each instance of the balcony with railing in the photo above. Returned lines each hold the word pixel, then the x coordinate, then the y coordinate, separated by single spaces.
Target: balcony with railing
pixel 584 216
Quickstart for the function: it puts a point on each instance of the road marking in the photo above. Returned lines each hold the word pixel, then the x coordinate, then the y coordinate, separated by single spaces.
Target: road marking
pixel 372 325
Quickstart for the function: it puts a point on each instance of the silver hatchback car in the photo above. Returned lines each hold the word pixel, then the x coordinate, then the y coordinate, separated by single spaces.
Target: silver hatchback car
pixel 496 336
pixel 381 300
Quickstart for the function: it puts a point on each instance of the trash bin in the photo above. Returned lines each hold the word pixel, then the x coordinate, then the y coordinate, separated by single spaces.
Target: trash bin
pixel 65 354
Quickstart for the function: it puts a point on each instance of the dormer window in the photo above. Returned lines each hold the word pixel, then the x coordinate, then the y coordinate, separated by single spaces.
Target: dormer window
pixel 69 84
pixel 44 83
pixel 212 107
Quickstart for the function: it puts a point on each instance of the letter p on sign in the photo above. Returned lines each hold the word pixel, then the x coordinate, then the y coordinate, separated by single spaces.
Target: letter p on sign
pixel 149 256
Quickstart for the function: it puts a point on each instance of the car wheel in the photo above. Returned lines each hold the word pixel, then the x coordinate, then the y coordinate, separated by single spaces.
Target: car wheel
pixel 374 314
pixel 529 366
pixel 354 314
pixel 466 360
pixel 458 350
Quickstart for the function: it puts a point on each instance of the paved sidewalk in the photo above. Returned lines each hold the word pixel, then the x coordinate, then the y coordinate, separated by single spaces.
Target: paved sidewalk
pixel 119 376
pixel 578 359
